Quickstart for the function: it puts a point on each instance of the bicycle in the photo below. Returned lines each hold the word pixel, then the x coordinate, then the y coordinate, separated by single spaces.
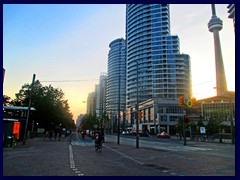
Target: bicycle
pixel 98 146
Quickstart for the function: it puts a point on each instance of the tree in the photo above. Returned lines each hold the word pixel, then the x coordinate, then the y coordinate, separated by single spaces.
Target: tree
pixel 104 119
pixel 7 101
pixel 88 121
pixel 179 127
pixel 51 107
pixel 215 121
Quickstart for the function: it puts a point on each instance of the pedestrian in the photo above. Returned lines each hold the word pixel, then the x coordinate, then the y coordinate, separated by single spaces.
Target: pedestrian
pixel 50 135
pixel 55 134
pixel 83 135
pixel 45 135
pixel 59 134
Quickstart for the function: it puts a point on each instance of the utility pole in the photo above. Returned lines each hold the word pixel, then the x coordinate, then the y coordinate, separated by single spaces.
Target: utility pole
pixel 28 112
pixel 184 132
pixel 231 119
pixel 137 107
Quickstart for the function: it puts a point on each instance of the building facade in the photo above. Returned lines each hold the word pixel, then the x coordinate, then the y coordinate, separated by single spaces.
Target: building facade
pixel 157 74
pixel 116 79
pixel 231 11
pixel 155 67
pixel 91 103
pixel 101 90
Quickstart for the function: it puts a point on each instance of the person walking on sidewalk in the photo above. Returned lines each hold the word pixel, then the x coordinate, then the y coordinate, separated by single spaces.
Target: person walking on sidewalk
pixel 45 135
pixel 55 134
pixel 59 134
pixel 50 135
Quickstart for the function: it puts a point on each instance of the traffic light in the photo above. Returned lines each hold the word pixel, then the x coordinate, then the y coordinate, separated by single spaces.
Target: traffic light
pixel 139 115
pixel 181 100
pixel 186 119
pixel 194 102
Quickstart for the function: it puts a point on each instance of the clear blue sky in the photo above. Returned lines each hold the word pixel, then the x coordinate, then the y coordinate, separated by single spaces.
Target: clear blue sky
pixel 71 42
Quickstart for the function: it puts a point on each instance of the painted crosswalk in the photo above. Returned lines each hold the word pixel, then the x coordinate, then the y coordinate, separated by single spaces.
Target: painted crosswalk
pixel 82 143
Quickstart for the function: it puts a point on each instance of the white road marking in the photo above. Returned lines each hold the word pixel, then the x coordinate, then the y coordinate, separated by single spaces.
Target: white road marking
pixel 125 155
pixel 72 163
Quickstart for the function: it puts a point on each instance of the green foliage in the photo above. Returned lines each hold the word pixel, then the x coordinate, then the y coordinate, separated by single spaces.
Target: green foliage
pixel 51 108
pixel 103 121
pixel 88 121
pixel 7 101
pixel 213 126
pixel 179 125
pixel 215 121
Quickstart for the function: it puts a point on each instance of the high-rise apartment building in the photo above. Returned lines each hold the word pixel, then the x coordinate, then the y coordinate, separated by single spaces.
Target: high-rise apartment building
pixel 100 91
pixel 91 103
pixel 116 80
pixel 231 11
pixel 155 69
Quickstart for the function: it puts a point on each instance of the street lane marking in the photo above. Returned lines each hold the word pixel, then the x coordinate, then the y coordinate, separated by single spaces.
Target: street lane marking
pixel 124 155
pixel 72 163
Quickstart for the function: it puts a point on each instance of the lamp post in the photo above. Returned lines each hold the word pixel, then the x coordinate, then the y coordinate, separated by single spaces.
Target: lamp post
pixel 28 112
pixel 118 140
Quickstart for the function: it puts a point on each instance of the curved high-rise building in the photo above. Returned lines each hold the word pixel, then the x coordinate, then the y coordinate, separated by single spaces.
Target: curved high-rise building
pixel 116 80
pixel 153 56
pixel 231 11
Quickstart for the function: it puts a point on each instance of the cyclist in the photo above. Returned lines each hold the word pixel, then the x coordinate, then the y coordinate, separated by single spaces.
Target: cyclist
pixel 99 138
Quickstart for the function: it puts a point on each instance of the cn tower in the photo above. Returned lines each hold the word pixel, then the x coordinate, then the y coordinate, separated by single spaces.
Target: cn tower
pixel 215 25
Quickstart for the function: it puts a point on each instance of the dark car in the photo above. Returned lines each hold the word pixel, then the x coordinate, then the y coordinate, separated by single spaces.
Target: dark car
pixel 163 135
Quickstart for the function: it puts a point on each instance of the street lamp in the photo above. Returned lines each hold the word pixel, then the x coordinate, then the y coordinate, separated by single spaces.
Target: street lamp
pixel 137 107
pixel 119 84
pixel 28 112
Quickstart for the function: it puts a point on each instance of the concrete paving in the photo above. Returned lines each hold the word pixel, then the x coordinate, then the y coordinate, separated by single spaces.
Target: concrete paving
pixel 73 156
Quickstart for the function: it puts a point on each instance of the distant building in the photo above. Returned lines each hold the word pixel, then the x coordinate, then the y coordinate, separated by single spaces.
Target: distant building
pixel 101 95
pixel 91 103
pixel 3 74
pixel 231 11
pixel 78 122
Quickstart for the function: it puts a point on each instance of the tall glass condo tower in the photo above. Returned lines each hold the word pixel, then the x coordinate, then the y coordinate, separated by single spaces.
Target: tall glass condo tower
pixel 155 69
pixel 116 80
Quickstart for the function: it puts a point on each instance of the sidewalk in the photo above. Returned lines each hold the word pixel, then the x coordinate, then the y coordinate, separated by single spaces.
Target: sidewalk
pixel 37 158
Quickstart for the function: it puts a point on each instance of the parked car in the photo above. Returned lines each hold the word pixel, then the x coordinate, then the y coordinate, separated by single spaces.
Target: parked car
pixel 124 133
pixel 163 135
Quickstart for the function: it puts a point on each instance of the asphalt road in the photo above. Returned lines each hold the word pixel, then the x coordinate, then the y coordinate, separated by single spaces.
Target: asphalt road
pixel 73 156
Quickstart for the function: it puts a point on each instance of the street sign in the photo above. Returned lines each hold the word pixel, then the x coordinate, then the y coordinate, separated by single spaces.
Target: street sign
pixel 16 129
pixel 202 130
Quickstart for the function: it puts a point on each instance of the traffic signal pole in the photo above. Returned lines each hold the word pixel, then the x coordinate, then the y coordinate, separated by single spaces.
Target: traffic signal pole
pixel 184 133
pixel 185 118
